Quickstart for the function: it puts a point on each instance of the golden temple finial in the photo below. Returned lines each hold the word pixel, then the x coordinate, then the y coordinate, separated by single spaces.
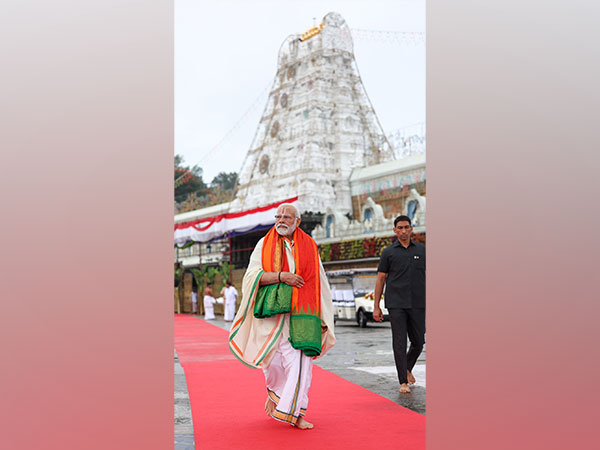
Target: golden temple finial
pixel 312 32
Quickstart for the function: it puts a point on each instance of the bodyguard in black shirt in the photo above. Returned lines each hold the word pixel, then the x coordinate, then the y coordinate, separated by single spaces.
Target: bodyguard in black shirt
pixel 402 270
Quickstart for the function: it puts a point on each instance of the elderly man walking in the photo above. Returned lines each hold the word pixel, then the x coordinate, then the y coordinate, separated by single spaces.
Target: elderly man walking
pixel 285 319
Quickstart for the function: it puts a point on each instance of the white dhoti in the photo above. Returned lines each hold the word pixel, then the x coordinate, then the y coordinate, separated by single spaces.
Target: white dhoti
pixel 229 310
pixel 209 307
pixel 194 302
pixel 288 378
pixel 263 343
pixel 231 294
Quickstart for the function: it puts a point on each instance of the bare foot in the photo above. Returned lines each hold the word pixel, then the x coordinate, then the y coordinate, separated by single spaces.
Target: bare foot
pixel 269 406
pixel 411 378
pixel 303 424
pixel 404 389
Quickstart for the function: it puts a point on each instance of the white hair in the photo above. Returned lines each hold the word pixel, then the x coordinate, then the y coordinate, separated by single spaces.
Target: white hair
pixel 289 205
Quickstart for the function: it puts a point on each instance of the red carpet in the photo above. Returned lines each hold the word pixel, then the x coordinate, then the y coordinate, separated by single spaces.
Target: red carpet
pixel 227 400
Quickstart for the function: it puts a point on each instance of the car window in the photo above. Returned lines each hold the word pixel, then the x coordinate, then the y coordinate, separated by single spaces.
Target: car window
pixel 338 286
pixel 363 284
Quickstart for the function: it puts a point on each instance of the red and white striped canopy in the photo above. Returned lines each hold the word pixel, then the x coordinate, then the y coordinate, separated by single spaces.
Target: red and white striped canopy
pixel 209 228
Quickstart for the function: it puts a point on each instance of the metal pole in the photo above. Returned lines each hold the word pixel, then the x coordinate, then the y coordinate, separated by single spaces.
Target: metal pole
pixel 230 253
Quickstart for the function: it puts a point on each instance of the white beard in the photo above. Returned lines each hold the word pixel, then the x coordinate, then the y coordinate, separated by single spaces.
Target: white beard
pixel 285 230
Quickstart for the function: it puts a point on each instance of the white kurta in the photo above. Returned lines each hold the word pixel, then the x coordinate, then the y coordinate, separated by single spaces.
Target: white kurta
pixel 264 342
pixel 231 295
pixel 209 307
pixel 194 302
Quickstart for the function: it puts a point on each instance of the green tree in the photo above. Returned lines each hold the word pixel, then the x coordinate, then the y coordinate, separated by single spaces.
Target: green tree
pixel 188 180
pixel 225 180
pixel 225 272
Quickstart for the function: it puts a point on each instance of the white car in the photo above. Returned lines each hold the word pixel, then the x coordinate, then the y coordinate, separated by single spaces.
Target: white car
pixel 352 291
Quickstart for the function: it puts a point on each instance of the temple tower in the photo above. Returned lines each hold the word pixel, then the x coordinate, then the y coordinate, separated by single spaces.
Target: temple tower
pixel 318 125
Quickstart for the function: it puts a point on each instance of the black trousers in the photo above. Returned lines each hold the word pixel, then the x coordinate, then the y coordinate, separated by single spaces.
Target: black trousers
pixel 411 322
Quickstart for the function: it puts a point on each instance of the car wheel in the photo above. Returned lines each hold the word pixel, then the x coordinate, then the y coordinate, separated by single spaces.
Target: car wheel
pixel 361 319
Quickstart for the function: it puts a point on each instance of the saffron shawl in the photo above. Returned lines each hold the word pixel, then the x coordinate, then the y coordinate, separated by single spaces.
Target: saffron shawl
pixel 303 304
pixel 254 341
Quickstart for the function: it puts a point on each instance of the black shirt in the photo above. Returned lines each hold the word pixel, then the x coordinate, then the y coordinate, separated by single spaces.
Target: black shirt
pixel 405 283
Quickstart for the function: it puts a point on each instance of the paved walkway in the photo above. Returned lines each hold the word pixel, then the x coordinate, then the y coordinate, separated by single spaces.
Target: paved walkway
pixel 184 430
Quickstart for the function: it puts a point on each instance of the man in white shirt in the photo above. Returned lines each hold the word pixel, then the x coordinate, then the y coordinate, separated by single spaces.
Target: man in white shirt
pixel 194 302
pixel 231 295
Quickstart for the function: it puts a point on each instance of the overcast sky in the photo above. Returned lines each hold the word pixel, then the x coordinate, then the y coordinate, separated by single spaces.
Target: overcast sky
pixel 226 59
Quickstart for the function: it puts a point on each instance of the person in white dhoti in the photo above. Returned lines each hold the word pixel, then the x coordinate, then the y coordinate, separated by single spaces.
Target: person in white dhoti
pixel 231 295
pixel 285 318
pixel 194 302
pixel 209 304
